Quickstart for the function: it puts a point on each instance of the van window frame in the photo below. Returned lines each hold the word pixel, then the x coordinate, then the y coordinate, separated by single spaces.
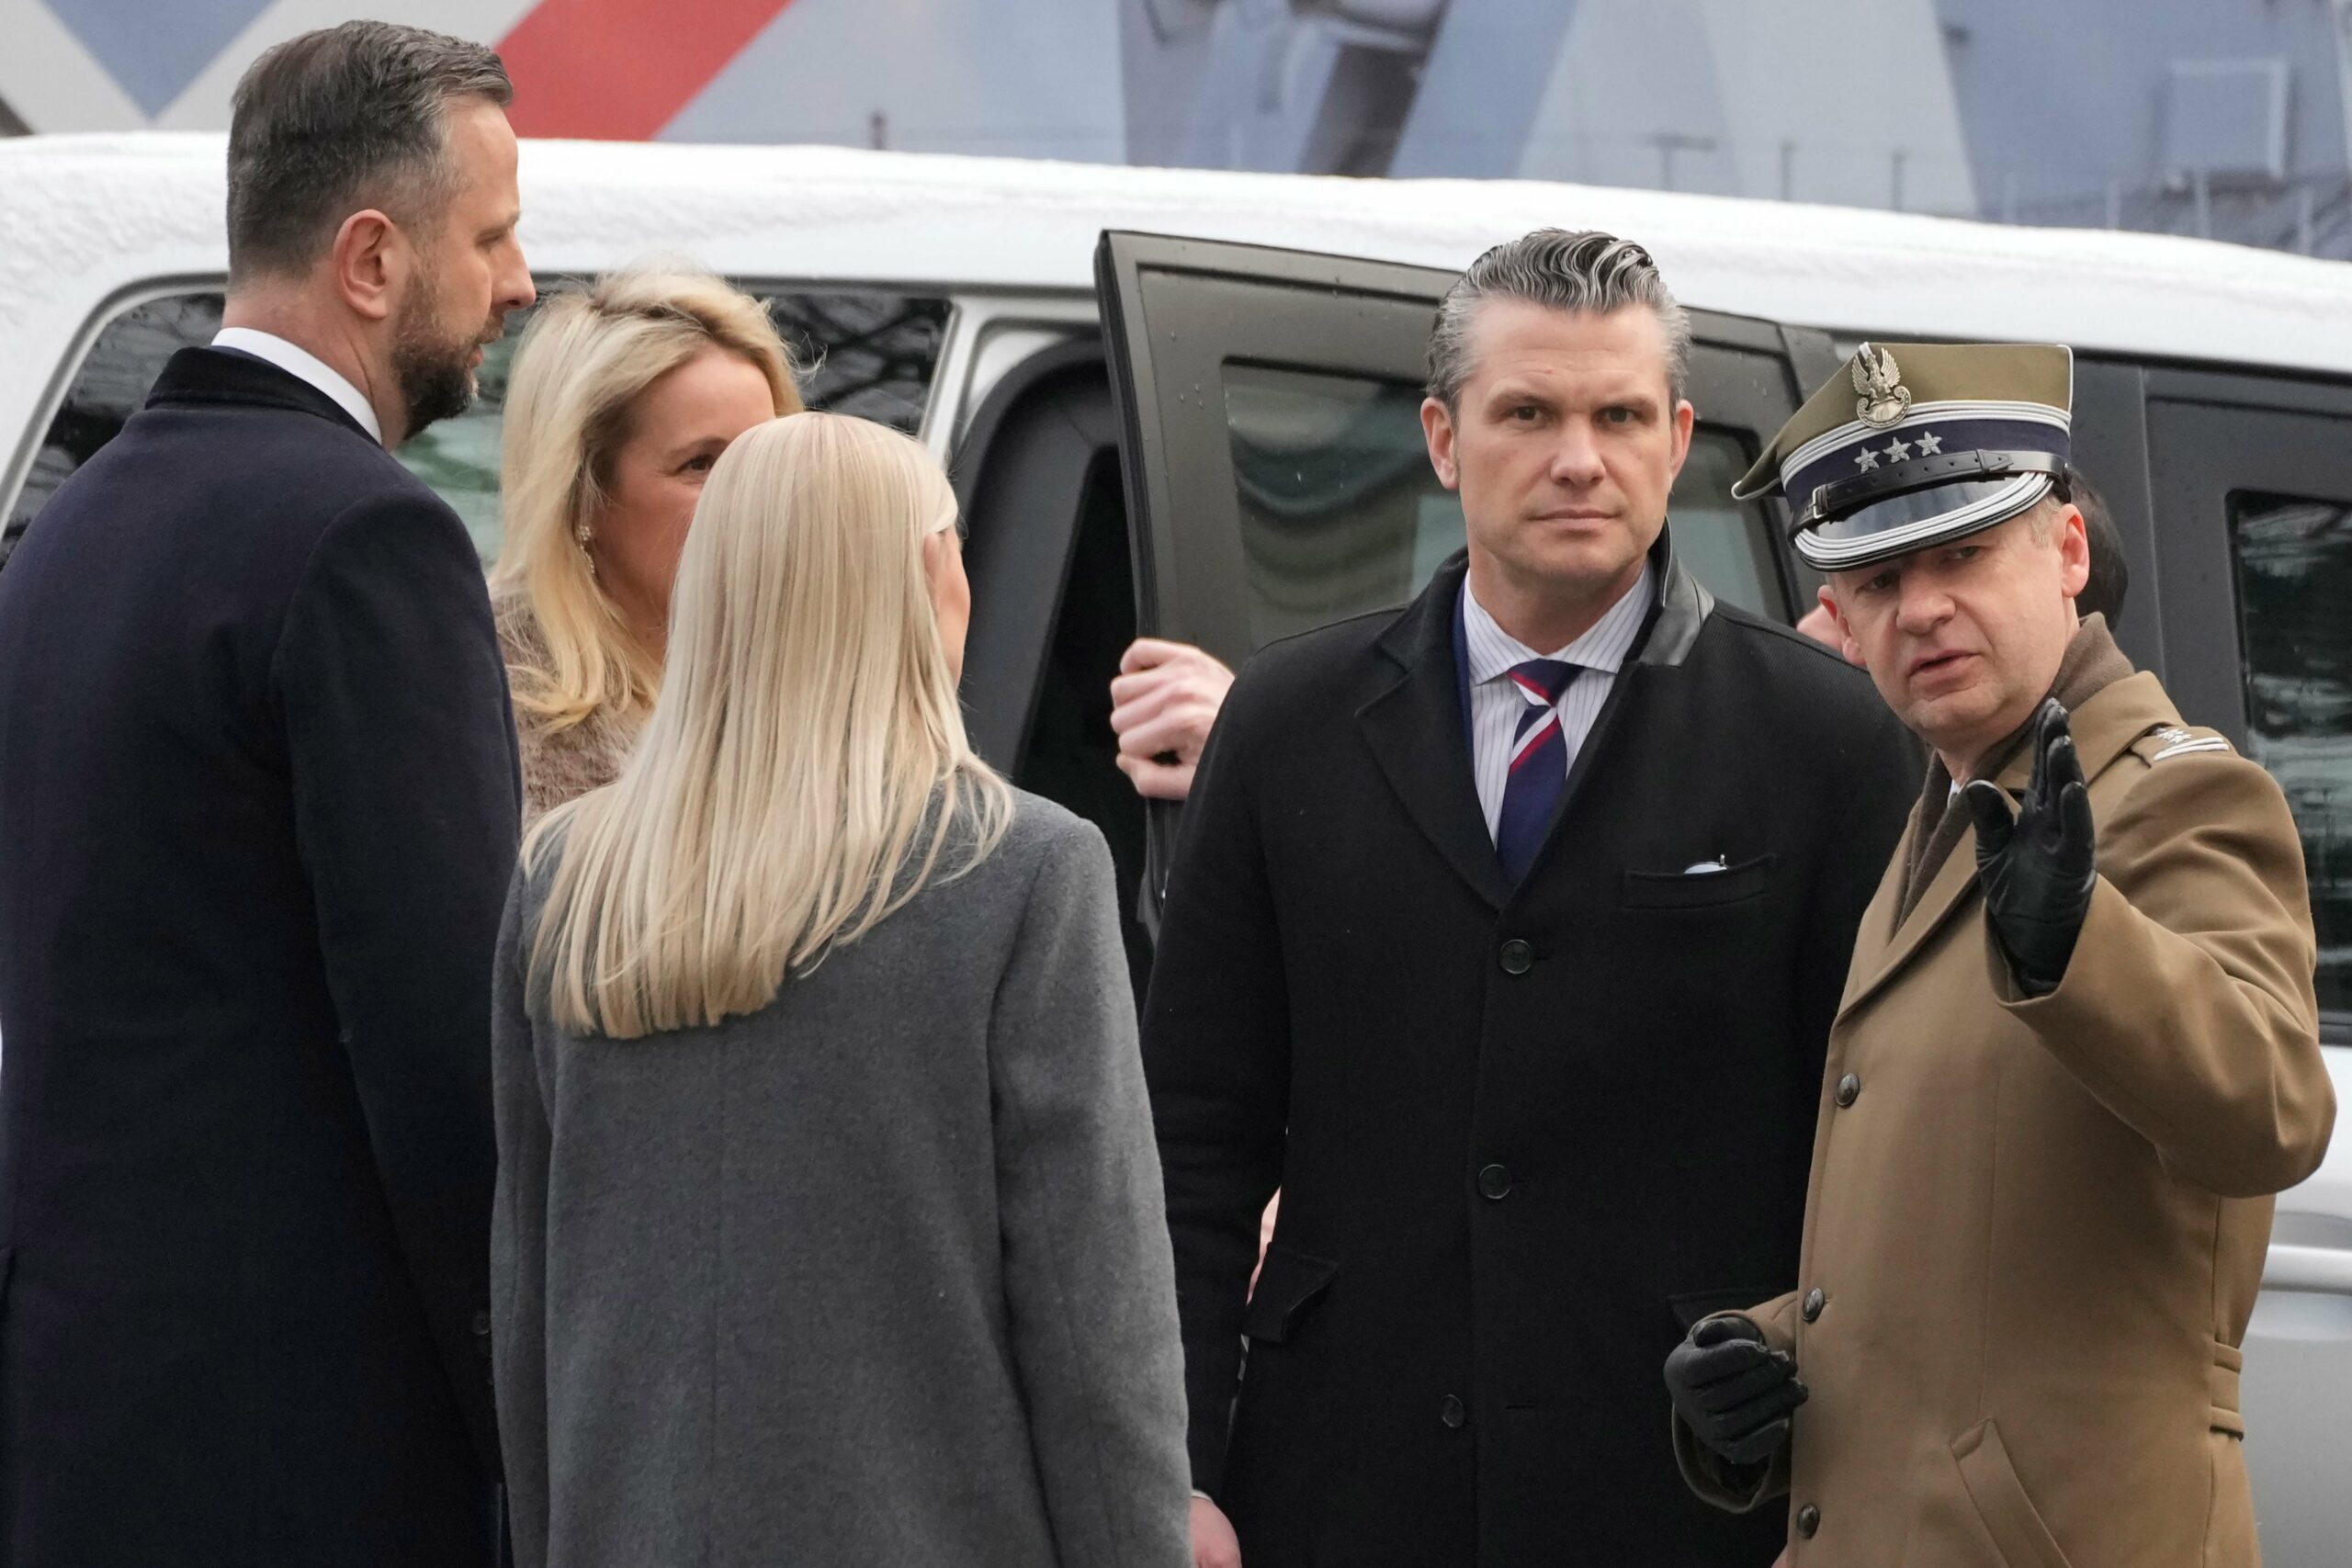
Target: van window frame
pixel 16 470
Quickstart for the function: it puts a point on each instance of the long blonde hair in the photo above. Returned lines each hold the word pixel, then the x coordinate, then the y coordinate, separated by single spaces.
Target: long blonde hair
pixel 805 769
pixel 587 357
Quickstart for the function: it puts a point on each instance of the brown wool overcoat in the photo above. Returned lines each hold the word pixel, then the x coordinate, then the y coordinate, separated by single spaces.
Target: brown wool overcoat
pixel 2035 1227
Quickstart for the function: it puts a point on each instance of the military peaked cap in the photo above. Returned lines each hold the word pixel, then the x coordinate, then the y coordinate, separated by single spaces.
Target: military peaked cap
pixel 1913 443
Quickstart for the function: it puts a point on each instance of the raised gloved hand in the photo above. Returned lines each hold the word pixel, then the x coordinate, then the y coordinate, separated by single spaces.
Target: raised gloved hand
pixel 2037 871
pixel 1732 1390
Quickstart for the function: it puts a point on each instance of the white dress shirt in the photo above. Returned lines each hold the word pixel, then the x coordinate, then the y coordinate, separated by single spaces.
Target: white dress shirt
pixel 1496 701
pixel 301 362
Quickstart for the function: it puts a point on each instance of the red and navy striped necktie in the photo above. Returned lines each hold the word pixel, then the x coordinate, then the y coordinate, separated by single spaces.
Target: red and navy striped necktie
pixel 1539 764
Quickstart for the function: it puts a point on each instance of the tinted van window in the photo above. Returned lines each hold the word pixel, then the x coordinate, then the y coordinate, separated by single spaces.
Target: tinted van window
pixel 2294 569
pixel 869 353
pixel 1340 511
pixel 107 388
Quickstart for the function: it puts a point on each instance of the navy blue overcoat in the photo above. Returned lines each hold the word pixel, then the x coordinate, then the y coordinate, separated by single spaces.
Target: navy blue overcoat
pixel 259 806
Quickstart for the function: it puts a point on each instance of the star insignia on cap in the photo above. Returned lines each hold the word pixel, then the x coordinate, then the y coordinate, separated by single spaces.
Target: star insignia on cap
pixel 1897 450
pixel 1866 458
pixel 1930 445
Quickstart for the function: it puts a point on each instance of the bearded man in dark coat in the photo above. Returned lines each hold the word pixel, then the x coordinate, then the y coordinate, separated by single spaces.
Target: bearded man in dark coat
pixel 258 805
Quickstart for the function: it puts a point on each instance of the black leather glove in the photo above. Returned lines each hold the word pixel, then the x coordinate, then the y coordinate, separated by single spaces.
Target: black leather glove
pixel 1732 1390
pixel 2037 871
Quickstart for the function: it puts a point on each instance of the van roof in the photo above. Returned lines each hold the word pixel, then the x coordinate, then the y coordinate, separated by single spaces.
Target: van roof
pixel 109 212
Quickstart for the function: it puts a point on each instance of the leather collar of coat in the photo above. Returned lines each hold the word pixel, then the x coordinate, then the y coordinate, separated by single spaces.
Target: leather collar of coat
pixel 1413 724
pixel 2104 730
pixel 218 376
pixel 1425 629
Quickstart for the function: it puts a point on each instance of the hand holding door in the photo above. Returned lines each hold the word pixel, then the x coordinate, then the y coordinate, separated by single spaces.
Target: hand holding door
pixel 2037 871
pixel 1164 700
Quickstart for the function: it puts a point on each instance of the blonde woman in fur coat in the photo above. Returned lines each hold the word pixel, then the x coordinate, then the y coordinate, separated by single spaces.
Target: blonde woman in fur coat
pixel 624 395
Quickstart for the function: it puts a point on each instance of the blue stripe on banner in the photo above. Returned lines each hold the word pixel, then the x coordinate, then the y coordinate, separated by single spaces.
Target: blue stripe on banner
pixel 155 51
pixel 1952 436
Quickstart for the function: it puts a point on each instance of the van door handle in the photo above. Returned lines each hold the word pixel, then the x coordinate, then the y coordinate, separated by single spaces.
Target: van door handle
pixel 2325 1270
pixel 1161 818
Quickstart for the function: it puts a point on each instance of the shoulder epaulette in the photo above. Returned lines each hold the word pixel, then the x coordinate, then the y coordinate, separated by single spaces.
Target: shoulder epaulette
pixel 2165 741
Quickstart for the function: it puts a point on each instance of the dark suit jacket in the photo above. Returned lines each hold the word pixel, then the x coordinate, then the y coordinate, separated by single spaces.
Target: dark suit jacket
pixel 258 805
pixel 1524 1135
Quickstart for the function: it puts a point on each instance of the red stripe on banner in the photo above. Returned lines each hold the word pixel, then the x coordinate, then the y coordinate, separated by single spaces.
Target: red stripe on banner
pixel 620 70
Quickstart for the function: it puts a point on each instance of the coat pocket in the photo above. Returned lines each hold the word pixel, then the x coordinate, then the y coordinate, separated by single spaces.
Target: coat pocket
pixel 1695 889
pixel 1289 1285
pixel 1999 1497
pixel 2229 1525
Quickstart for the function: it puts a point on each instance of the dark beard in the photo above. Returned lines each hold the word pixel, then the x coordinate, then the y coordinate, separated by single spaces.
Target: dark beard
pixel 436 378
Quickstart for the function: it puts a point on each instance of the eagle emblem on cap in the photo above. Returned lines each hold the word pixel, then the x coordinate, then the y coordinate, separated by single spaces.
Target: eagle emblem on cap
pixel 1883 398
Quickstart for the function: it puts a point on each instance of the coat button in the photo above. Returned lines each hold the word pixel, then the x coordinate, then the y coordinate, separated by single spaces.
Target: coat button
pixel 1494 1182
pixel 1850 1088
pixel 1517 957
pixel 481 1325
pixel 1808 1521
pixel 1813 1303
pixel 1450 1411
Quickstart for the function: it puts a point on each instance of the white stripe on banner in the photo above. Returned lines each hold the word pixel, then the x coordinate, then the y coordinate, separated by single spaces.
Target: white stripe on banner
pixel 51 81
pixel 203 103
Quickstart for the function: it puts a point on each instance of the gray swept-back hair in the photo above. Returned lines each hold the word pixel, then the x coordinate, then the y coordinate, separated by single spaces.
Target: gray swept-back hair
pixel 340 119
pixel 1585 272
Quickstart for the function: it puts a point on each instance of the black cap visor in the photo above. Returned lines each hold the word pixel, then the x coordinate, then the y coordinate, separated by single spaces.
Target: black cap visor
pixel 1919 503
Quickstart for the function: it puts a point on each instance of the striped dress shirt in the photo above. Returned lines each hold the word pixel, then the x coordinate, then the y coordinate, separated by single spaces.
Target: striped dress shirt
pixel 1495 702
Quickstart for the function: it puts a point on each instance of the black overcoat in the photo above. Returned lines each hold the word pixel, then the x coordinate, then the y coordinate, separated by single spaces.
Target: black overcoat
pixel 1524 1135
pixel 259 806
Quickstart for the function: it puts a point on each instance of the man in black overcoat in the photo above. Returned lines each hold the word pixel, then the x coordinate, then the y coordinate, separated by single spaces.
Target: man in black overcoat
pixel 259 806
pixel 1504 935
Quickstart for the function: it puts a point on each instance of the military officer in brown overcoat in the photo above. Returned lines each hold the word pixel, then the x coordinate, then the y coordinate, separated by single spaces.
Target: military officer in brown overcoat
pixel 2076 1055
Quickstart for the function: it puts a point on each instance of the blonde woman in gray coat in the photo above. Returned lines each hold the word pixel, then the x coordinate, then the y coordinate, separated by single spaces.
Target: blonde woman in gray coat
pixel 829 1225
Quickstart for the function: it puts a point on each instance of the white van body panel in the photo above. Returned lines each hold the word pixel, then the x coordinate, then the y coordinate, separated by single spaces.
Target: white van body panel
pixel 89 217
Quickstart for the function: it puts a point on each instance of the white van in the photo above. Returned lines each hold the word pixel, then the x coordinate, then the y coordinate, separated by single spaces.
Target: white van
pixel 1185 403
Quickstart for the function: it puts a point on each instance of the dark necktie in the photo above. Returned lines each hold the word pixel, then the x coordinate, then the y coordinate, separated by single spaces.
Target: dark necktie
pixel 1539 764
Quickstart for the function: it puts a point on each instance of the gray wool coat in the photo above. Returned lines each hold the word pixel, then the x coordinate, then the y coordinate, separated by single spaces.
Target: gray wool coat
pixel 876 1275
